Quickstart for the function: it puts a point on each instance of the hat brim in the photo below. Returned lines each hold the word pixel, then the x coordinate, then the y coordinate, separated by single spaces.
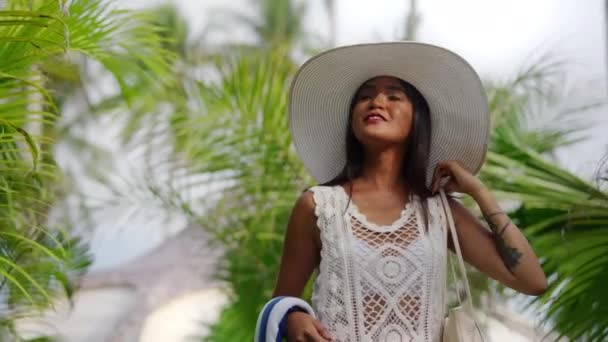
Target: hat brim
pixel 322 90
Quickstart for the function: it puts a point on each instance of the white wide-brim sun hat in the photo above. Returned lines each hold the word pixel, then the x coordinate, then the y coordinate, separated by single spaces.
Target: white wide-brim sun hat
pixel 324 86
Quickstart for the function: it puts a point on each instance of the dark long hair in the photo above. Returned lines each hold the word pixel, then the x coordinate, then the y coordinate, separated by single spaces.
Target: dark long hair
pixel 418 145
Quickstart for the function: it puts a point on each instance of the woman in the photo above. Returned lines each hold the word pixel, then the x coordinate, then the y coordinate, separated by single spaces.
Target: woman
pixel 383 127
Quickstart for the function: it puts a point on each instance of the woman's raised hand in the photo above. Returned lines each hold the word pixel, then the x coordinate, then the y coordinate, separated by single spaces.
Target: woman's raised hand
pixel 459 179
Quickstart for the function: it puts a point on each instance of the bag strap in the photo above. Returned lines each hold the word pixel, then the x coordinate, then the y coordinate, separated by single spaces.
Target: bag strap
pixel 452 229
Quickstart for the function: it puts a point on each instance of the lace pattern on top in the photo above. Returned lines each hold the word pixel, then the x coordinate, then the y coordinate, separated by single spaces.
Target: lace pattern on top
pixel 379 282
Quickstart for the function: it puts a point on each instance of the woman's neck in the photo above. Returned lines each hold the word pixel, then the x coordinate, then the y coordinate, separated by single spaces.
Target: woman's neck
pixel 382 170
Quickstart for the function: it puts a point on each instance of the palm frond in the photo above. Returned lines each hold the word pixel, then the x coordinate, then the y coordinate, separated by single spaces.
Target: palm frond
pixel 36 260
pixel 274 23
pixel 528 109
pixel 563 216
pixel 239 138
pixel 566 221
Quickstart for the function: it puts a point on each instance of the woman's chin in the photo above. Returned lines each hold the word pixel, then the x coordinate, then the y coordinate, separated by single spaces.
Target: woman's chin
pixel 380 139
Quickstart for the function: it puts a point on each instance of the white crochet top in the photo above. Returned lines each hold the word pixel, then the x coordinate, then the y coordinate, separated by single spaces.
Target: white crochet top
pixel 379 283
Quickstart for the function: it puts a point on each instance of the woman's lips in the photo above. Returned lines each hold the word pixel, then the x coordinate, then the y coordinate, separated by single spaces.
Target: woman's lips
pixel 373 118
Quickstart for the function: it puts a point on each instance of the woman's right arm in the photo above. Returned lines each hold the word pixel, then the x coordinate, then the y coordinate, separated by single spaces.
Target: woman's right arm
pixel 300 249
pixel 301 255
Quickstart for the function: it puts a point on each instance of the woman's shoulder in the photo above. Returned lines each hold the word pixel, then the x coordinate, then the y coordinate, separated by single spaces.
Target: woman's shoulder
pixel 321 196
pixel 311 195
pixel 319 187
pixel 321 190
pixel 305 203
pixel 435 198
pixel 312 201
pixel 435 203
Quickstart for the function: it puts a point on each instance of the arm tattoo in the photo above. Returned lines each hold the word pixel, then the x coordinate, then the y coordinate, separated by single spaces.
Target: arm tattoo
pixel 492 225
pixel 510 255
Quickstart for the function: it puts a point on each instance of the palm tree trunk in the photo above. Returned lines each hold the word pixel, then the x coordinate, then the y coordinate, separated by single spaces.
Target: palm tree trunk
pixel 331 13
pixel 412 21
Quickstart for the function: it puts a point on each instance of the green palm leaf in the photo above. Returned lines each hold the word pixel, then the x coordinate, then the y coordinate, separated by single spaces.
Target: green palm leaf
pixel 239 138
pixel 565 219
pixel 37 260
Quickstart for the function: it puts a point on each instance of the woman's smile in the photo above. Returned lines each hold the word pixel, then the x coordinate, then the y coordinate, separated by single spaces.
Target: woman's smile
pixel 374 117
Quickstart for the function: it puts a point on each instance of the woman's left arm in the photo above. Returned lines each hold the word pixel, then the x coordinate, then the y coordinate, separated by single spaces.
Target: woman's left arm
pixel 502 252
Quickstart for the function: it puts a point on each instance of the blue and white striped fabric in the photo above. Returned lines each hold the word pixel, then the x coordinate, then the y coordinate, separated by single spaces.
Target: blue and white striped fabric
pixel 272 321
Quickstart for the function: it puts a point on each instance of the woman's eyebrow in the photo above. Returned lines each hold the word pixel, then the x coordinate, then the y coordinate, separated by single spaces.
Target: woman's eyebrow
pixel 395 88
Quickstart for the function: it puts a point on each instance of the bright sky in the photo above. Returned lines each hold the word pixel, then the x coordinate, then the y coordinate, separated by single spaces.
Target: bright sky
pixel 491 34
pixel 496 37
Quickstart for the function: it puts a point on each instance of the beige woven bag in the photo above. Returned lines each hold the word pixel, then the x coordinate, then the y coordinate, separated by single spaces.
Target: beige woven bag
pixel 460 324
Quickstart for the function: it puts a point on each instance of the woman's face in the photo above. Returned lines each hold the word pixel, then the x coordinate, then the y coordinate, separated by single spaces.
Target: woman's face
pixel 382 114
